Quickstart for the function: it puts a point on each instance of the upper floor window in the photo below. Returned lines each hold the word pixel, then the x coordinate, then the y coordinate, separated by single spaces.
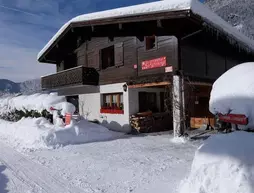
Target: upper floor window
pixel 150 42
pixel 108 57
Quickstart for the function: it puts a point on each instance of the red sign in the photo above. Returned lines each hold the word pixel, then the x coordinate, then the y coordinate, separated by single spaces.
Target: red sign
pixel 155 63
pixel 234 118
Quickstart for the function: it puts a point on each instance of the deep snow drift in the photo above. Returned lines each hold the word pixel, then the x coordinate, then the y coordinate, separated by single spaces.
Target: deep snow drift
pixel 38 133
pixel 223 164
pixel 233 92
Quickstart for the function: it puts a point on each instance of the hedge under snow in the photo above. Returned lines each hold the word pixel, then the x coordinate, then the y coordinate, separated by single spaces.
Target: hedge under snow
pixel 223 164
pixel 37 102
pixel 233 92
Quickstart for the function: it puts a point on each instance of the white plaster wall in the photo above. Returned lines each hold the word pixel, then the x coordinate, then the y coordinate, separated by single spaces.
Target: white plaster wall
pixel 90 105
pixel 134 99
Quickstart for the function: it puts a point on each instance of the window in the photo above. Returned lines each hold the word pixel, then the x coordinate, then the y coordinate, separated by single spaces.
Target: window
pixel 108 57
pixel 148 102
pixel 112 103
pixel 150 42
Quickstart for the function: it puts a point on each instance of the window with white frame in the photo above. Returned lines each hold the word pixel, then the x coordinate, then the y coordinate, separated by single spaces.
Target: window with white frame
pixel 112 101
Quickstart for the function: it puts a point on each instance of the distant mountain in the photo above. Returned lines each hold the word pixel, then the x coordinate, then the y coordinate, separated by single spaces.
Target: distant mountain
pixel 30 86
pixel 9 86
pixel 238 13
pixel 27 87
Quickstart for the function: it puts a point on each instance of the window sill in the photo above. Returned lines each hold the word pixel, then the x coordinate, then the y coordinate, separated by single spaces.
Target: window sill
pixel 112 111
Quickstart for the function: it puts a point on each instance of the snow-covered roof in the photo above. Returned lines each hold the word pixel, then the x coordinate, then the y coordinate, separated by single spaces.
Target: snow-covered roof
pixel 158 7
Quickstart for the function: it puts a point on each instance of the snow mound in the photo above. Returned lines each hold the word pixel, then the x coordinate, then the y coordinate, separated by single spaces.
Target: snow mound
pixel 224 163
pixel 233 92
pixel 38 133
pixel 36 101
pixel 82 132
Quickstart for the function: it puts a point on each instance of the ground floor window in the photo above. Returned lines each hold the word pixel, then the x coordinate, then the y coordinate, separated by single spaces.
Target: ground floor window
pixel 112 103
pixel 148 102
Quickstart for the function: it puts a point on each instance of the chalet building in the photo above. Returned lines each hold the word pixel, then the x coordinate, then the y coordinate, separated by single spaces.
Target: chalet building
pixel 161 56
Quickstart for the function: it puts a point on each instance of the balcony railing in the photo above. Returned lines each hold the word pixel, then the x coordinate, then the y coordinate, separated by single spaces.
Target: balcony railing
pixel 72 77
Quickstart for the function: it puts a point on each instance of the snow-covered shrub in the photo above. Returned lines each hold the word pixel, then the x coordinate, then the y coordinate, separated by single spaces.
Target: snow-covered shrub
pixel 17 115
pixel 14 108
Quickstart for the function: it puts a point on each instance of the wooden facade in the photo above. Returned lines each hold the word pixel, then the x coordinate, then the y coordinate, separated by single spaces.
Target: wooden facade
pixel 208 56
pixel 129 54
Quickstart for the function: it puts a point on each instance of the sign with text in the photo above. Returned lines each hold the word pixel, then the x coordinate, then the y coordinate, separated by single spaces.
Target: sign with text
pixel 154 63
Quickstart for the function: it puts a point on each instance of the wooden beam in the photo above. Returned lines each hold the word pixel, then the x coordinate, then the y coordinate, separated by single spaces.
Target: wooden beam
pixel 153 84
pixel 200 83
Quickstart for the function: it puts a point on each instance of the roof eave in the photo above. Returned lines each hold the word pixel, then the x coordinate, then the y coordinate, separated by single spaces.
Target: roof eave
pixel 128 19
pixel 218 28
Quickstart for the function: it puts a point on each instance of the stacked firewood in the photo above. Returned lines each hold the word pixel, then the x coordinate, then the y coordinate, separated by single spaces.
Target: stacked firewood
pixel 142 124
pixel 151 122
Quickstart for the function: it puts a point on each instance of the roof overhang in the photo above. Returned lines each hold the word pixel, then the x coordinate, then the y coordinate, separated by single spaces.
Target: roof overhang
pixel 175 17
pixel 138 25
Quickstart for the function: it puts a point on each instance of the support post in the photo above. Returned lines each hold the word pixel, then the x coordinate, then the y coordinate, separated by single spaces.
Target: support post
pixel 177 101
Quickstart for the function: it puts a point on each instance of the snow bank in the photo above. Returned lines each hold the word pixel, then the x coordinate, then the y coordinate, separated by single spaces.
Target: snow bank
pixel 37 102
pixel 31 133
pixel 82 132
pixel 234 92
pixel 223 164
pixel 155 7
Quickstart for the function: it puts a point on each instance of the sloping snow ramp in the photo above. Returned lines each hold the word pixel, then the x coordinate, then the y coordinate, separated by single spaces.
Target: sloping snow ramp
pixel 233 92
pixel 223 164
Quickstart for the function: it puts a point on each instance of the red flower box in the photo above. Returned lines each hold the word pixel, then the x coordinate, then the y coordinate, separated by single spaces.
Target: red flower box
pixel 111 111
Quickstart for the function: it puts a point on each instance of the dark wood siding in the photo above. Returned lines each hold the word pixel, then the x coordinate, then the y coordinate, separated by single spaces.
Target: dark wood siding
pixel 81 55
pixel 125 58
pixel 129 52
pixel 166 46
pixel 205 56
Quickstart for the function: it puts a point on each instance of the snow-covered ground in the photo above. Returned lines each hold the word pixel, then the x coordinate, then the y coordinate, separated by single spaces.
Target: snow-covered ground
pixel 224 163
pixel 113 162
pixel 131 164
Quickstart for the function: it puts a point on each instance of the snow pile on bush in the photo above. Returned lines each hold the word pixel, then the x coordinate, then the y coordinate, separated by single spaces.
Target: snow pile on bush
pixel 38 102
pixel 233 92
pixel 38 133
pixel 223 164
pixel 13 108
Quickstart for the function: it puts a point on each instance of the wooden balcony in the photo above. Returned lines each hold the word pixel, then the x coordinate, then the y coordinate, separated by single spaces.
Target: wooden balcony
pixel 72 77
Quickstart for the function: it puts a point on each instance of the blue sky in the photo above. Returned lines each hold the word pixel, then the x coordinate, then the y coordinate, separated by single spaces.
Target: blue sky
pixel 27 25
